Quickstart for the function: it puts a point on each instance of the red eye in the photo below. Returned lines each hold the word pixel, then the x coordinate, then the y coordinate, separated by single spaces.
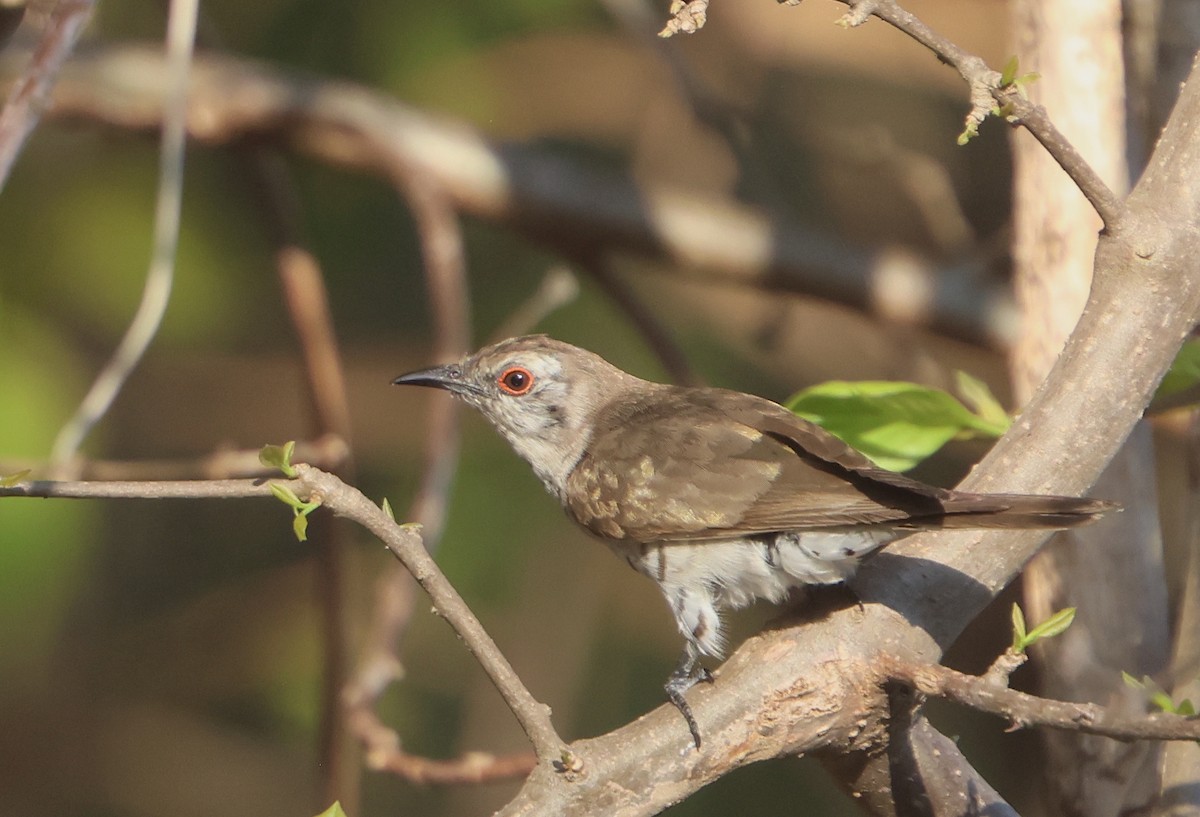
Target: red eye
pixel 516 381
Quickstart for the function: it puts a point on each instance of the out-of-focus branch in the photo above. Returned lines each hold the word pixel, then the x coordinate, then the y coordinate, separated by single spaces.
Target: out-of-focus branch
pixel 329 452
pixel 648 325
pixel 28 95
pixel 552 199
pixel 445 268
pixel 404 541
pixel 379 664
pixel 471 768
pixel 307 300
pixel 11 14
pixel 181 35
pixel 557 288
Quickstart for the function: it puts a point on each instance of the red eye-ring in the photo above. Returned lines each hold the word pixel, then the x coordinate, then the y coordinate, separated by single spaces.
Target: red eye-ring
pixel 516 381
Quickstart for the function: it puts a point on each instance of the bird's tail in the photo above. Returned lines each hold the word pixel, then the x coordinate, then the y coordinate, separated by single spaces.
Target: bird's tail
pixel 966 510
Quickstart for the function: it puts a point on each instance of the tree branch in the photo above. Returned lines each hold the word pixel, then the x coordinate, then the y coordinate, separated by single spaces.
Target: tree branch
pixel 136 489
pixel 553 200
pixel 404 541
pixel 1023 710
pixel 160 277
pixel 987 93
pixel 27 97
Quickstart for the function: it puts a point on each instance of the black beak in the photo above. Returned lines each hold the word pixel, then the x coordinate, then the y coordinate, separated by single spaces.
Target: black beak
pixel 448 377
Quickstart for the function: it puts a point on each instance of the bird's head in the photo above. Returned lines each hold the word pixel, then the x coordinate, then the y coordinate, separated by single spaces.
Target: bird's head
pixel 540 394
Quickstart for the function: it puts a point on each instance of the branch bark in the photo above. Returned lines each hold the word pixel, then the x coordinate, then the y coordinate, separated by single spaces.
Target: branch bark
pixel 1022 710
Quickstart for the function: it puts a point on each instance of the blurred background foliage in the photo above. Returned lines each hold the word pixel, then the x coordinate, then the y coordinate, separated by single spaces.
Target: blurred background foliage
pixel 163 658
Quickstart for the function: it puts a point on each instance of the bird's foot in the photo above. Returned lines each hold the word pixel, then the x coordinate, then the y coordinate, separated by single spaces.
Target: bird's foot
pixel 686 676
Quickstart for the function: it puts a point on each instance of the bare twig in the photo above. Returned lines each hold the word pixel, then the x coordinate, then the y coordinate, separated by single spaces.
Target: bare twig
pixel 308 305
pixel 307 300
pixel 379 663
pixel 987 94
pixel 404 541
pixel 28 96
pixel 473 767
pixel 181 34
pixel 1023 710
pixel 136 489
pixel 446 278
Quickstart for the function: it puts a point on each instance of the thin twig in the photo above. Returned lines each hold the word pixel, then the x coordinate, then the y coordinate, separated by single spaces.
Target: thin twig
pixel 1023 710
pixel 139 489
pixel 404 541
pixel 446 279
pixel 987 94
pixel 379 662
pixel 181 34
pixel 473 767
pixel 307 299
pixel 28 96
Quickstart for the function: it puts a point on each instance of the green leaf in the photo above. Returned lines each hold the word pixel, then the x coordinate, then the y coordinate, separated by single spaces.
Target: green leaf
pixel 333 811
pixel 300 527
pixel 279 456
pixel 300 508
pixel 1018 622
pixel 1010 71
pixel 1057 624
pixel 1131 682
pixel 13 479
pixel 896 424
pixel 1162 700
pixel 387 509
pixel 969 132
pixel 1184 372
pixel 979 398
pixel 286 495
pixel 1185 708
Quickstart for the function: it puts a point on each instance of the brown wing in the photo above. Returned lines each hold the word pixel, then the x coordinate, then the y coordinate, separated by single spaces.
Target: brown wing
pixel 706 464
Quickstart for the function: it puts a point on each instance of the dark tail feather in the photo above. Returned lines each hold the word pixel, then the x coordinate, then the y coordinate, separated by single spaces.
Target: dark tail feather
pixel 1021 511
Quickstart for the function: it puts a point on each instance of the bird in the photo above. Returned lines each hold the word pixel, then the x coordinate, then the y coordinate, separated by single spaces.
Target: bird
pixel 718 496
